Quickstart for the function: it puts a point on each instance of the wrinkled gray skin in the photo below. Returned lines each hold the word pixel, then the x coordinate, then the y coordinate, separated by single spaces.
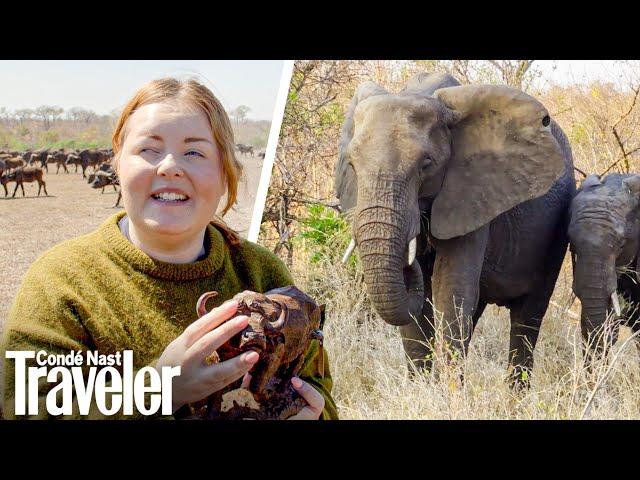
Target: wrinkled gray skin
pixel 483 178
pixel 604 232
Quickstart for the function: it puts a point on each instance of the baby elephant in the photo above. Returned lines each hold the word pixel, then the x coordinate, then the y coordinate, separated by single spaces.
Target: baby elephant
pixel 604 232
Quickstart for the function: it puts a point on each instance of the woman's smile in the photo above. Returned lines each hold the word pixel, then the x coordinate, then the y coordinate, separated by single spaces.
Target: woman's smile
pixel 171 173
pixel 170 196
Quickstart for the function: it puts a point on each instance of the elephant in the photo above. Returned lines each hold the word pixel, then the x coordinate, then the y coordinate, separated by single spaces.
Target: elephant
pixel 459 196
pixel 604 236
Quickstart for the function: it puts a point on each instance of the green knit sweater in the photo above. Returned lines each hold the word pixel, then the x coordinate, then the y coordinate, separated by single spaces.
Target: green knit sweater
pixel 100 292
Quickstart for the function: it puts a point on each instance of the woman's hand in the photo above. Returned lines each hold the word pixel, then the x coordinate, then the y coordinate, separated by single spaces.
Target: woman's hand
pixel 314 400
pixel 198 380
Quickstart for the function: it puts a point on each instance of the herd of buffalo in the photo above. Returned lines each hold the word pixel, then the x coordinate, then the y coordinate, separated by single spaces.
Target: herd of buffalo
pixel 30 165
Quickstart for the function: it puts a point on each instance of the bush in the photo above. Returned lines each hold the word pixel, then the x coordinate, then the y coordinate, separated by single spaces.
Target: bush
pixel 325 234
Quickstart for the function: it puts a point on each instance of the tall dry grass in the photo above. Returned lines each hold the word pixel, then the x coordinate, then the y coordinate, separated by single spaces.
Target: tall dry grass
pixel 372 379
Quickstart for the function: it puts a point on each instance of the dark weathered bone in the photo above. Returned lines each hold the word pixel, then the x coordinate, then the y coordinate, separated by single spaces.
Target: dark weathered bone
pixel 282 323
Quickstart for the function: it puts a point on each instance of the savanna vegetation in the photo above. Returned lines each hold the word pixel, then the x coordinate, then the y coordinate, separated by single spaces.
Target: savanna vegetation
pixel 55 128
pixel 302 223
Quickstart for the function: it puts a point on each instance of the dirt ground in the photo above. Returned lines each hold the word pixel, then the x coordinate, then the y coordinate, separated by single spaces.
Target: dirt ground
pixel 31 225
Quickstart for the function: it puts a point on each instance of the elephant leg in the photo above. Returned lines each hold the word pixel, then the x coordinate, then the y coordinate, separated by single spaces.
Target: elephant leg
pixel 527 313
pixel 417 336
pixel 456 280
pixel 526 318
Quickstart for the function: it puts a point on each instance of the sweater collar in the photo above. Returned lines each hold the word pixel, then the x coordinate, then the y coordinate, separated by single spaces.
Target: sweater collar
pixel 127 251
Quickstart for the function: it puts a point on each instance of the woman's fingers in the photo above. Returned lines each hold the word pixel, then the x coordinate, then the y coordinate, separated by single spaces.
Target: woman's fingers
pixel 209 321
pixel 209 342
pixel 222 374
pixel 246 381
pixel 314 399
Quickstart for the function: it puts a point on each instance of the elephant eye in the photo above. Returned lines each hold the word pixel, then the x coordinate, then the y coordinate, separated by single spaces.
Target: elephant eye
pixel 426 161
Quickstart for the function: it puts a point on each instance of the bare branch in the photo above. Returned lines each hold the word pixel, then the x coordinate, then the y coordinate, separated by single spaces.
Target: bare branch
pixel 633 104
pixel 619 160
pixel 580 171
pixel 333 205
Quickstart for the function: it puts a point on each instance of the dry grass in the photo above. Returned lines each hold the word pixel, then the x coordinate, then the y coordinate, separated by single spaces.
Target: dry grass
pixel 31 225
pixel 372 379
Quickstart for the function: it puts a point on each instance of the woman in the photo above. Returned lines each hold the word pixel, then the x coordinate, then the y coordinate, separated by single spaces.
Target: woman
pixel 133 283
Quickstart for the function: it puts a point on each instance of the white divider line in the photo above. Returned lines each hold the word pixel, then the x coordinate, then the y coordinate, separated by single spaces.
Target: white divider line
pixel 270 153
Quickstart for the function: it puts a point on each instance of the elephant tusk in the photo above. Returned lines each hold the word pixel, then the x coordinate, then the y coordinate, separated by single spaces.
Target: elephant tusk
pixel 349 251
pixel 412 250
pixel 616 304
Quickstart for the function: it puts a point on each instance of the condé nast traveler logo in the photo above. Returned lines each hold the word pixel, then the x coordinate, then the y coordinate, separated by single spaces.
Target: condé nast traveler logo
pixel 110 381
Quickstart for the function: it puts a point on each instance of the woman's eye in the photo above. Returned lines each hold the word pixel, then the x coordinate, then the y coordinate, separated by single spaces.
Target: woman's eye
pixel 194 153
pixel 147 150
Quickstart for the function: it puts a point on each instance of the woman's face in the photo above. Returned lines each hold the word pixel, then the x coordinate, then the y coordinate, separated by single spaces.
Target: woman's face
pixel 170 170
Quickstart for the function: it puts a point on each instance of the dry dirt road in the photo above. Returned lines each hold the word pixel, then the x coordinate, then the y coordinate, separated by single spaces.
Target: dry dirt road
pixel 31 225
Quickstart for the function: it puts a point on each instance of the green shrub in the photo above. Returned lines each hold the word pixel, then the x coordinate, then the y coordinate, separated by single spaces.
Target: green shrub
pixel 17 145
pixel 325 234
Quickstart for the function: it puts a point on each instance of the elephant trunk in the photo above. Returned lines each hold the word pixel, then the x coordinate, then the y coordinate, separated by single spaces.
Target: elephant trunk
pixel 595 282
pixel 384 235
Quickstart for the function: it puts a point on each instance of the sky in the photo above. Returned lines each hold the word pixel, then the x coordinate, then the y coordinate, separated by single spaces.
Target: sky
pixel 103 86
pixel 565 72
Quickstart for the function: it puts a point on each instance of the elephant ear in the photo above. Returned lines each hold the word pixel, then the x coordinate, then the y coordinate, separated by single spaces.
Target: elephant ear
pixel 632 184
pixel 346 183
pixel 502 153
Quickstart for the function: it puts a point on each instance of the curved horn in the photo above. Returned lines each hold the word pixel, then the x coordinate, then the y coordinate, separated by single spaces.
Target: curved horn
pixel 279 323
pixel 201 306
